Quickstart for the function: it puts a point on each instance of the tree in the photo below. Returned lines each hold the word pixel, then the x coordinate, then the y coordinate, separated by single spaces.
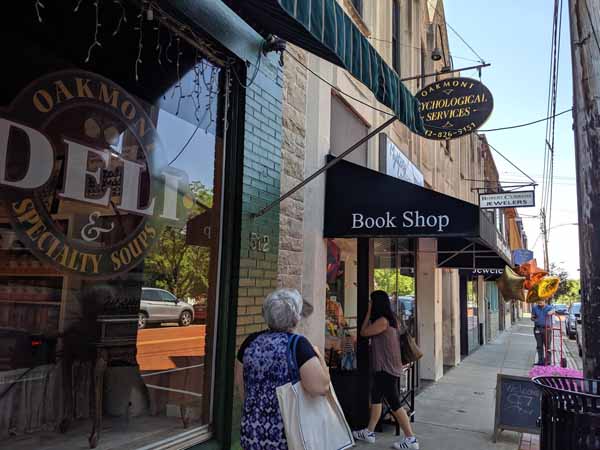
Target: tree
pixel 176 266
pixel 385 279
pixel 563 286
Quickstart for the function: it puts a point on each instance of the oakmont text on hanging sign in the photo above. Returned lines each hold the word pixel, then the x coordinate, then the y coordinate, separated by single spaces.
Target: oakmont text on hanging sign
pixel 520 199
pixel 408 220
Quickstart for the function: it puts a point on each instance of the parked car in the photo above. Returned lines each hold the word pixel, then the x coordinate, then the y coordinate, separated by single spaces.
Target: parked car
pixel 571 322
pixel 578 334
pixel 561 309
pixel 160 306
pixel 200 312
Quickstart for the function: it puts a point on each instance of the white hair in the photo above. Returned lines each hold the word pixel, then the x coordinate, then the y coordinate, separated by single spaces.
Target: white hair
pixel 282 309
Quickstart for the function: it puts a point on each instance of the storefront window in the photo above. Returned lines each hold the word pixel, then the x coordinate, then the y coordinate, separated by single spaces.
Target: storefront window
pixel 472 315
pixel 109 240
pixel 341 304
pixel 394 273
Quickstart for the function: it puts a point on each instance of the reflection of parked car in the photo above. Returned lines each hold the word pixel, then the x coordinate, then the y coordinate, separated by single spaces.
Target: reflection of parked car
pixel 561 309
pixel 200 312
pixel 572 317
pixel 578 334
pixel 407 306
pixel 160 306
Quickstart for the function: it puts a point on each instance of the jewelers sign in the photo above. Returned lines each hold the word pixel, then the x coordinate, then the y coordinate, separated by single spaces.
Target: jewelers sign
pixel 454 107
pixel 521 199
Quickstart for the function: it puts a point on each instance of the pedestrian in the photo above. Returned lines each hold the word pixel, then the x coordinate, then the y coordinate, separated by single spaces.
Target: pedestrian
pixel 262 359
pixel 541 315
pixel 381 325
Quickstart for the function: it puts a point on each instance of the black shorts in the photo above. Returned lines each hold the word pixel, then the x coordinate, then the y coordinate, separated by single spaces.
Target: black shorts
pixel 386 386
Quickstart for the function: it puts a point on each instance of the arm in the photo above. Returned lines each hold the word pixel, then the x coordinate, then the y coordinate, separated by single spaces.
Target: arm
pixel 239 378
pixel 314 375
pixel 375 328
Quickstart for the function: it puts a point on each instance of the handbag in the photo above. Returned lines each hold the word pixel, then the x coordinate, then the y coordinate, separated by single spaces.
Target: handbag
pixel 409 350
pixel 311 422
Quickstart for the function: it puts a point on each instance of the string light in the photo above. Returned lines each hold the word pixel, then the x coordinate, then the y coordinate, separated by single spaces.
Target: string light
pixel 178 85
pixel 96 42
pixel 140 28
pixel 122 19
pixel 77 5
pixel 169 46
pixel 158 47
pixel 39 5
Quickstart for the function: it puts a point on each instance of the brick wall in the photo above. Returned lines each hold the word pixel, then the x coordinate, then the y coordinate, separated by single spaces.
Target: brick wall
pixel 261 185
pixel 291 256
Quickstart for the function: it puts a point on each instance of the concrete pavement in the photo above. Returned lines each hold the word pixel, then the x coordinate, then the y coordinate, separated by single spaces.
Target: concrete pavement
pixel 457 412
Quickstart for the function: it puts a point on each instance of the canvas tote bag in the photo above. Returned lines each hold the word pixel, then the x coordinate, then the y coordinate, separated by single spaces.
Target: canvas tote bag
pixel 311 422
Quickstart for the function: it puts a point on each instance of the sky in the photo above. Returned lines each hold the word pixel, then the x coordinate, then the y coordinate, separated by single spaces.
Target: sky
pixel 515 37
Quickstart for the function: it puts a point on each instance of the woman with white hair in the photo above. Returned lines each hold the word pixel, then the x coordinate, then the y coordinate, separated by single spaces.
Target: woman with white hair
pixel 263 360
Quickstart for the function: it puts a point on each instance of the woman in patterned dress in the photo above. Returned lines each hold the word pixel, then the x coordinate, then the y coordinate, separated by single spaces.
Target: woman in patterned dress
pixel 262 359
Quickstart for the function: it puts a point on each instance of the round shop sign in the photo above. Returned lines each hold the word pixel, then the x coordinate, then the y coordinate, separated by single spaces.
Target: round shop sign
pixel 454 107
pixel 83 176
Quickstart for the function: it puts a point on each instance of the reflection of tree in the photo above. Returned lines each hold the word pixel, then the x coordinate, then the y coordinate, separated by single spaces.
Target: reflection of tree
pixel 385 279
pixel 176 266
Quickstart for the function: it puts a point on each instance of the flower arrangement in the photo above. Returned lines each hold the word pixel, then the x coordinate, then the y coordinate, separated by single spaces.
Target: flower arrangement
pixel 554 371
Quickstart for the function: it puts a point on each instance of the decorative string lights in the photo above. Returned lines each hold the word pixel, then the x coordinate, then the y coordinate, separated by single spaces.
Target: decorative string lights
pixel 200 82
pixel 122 19
pixel 96 42
pixel 38 6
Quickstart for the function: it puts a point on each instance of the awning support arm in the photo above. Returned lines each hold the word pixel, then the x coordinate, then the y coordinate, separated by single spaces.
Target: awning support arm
pixel 464 249
pixel 330 164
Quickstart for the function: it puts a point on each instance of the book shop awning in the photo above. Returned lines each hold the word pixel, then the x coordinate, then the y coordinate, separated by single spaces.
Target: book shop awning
pixel 324 29
pixel 361 202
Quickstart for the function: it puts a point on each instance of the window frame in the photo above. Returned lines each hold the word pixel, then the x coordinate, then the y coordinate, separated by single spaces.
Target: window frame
pixel 396 36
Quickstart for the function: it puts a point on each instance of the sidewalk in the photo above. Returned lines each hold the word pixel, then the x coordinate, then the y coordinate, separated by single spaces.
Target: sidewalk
pixel 457 412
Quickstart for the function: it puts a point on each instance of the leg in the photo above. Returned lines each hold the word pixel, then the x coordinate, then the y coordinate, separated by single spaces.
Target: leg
pixel 374 416
pixel 539 339
pixel 101 363
pixel 404 422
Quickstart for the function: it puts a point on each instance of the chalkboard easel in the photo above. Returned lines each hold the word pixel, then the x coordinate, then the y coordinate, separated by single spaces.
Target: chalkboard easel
pixel 517 405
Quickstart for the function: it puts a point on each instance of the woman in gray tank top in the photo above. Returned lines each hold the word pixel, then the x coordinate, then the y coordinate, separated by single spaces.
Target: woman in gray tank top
pixel 380 324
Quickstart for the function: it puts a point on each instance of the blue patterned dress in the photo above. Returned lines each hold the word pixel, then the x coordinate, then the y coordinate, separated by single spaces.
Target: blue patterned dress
pixel 265 369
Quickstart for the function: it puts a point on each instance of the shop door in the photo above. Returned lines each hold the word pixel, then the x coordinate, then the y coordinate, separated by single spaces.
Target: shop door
pixel 472 316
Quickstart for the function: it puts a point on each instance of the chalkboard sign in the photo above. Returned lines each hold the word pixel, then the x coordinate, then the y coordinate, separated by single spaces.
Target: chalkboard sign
pixel 517 405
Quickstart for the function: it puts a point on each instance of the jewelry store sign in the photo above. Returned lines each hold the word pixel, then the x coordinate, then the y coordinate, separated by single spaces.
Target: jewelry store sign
pixel 521 199
pixel 85 181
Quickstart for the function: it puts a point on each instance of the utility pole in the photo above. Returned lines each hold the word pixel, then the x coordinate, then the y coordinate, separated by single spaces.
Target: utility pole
pixel 544 230
pixel 585 52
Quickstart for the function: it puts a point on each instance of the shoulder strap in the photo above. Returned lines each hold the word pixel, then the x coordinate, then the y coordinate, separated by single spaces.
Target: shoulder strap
pixel 291 357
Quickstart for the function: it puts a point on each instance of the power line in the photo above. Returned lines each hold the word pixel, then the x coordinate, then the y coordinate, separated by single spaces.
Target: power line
pixel 456 32
pixel 421 48
pixel 526 124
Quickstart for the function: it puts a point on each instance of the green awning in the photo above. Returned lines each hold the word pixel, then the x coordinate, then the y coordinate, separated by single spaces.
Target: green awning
pixel 324 29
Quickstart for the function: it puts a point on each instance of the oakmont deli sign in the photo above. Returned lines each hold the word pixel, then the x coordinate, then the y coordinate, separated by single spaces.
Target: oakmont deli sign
pixel 454 107
pixel 83 177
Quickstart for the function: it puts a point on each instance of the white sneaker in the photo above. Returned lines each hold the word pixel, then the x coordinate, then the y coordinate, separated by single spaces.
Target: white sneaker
pixel 410 443
pixel 364 435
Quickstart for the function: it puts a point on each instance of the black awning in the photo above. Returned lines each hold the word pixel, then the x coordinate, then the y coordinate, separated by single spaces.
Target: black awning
pixel 324 29
pixel 361 202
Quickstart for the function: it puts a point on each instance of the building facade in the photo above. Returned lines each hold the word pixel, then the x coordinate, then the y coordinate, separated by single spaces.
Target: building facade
pixel 139 145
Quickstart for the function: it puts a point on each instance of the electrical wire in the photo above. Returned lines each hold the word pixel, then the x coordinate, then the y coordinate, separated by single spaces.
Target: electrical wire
pixel 337 89
pixel 481 60
pixel 421 48
pixel 526 124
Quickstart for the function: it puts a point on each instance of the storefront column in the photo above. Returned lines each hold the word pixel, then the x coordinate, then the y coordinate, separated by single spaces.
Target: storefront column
pixel 429 310
pixel 314 280
pixel 451 317
pixel 482 310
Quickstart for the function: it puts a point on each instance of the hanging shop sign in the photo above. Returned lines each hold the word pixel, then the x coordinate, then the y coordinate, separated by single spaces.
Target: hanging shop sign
pixel 393 162
pixel 454 107
pixel 521 256
pixel 521 199
pixel 82 172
